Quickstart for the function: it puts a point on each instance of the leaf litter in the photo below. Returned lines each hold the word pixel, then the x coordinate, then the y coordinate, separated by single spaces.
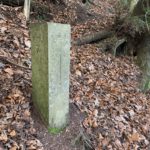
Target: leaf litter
pixel 16 124
pixel 104 87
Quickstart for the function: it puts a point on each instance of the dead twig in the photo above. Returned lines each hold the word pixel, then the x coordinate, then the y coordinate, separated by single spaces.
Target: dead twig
pixel 81 137
pixel 10 62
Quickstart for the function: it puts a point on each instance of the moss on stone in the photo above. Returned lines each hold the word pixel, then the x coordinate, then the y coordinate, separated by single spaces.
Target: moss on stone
pixel 55 130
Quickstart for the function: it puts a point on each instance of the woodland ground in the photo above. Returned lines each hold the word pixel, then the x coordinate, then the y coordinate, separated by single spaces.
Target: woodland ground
pixel 107 109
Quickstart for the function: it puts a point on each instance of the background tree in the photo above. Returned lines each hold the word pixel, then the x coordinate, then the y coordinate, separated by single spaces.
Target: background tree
pixel 139 18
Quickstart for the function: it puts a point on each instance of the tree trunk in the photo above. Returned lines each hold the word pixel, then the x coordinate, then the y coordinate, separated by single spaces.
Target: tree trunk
pixel 138 9
pixel 143 61
pixel 143 48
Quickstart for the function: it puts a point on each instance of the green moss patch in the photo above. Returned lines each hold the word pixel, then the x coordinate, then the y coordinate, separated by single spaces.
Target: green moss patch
pixel 54 130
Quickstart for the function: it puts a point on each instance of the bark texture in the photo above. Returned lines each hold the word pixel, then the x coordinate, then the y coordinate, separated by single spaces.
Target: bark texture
pixel 143 48
pixel 12 2
pixel 143 61
pixel 94 37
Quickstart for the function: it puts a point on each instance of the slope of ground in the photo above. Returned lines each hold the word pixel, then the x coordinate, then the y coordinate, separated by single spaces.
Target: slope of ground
pixel 104 88
pixel 16 124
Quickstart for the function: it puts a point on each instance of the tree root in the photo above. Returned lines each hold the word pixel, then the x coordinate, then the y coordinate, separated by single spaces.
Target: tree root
pixel 81 137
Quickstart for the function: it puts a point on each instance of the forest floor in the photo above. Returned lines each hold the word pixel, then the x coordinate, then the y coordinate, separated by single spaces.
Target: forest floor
pixel 108 111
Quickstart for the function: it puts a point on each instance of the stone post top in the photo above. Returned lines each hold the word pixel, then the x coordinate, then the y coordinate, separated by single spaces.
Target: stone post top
pixel 50 23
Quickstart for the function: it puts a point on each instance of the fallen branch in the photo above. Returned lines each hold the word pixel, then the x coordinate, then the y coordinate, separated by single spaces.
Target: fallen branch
pixel 10 62
pixel 93 37
pixel 12 2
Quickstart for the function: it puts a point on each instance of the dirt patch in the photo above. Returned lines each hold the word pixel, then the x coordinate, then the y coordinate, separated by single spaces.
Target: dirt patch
pixel 64 140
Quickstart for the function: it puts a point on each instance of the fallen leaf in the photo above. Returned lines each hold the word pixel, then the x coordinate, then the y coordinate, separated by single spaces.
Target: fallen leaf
pixel 12 133
pixel 95 113
pixel 9 71
pixel 26 113
pixel 3 137
pixel 105 142
pixel 27 43
pixel 78 72
pixel 135 137
pixel 95 125
pixel 13 148
pixel 118 143
pixel 3 29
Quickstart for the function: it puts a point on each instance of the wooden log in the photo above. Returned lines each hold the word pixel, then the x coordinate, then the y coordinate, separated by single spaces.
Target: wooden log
pixel 93 37
pixel 12 2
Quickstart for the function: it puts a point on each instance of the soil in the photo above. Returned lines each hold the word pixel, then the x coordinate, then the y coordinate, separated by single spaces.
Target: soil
pixel 65 139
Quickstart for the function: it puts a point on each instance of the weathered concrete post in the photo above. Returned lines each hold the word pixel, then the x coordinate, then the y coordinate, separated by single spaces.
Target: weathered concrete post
pixel 50 72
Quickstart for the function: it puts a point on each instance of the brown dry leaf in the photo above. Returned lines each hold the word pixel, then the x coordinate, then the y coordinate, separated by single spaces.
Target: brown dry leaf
pixel 3 29
pixel 78 72
pixel 12 133
pixel 16 42
pixel 27 113
pixel 95 113
pixel 145 128
pixel 13 148
pixel 32 147
pixel 27 42
pixel 31 142
pixel 3 137
pixel 105 142
pixel 85 123
pixel 90 81
pixel 16 55
pixel 95 125
pixel 19 72
pixel 90 122
pixel 135 137
pixel 91 67
pixel 99 147
pixel 118 143
pixel 9 71
pixel 16 95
